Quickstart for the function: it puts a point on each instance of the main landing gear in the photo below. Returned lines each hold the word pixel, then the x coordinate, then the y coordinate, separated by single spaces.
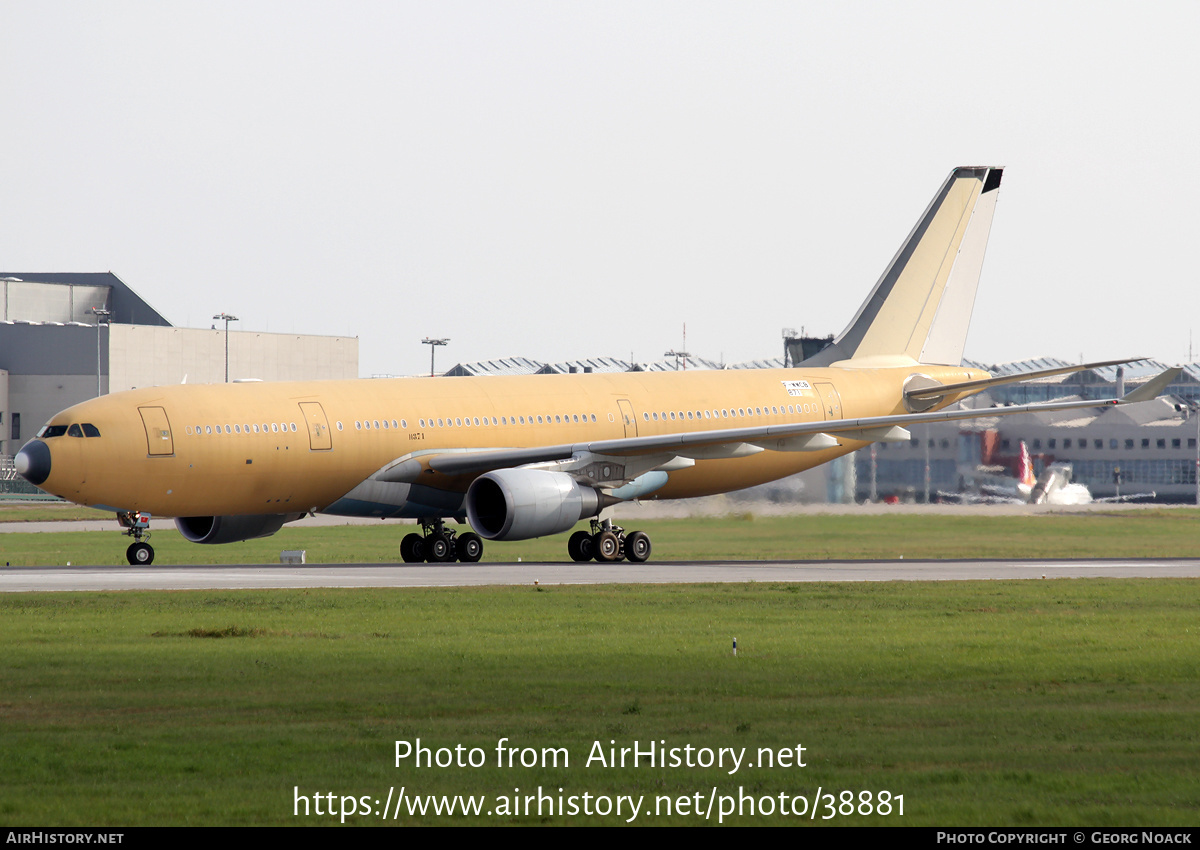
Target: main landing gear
pixel 137 526
pixel 439 545
pixel 608 542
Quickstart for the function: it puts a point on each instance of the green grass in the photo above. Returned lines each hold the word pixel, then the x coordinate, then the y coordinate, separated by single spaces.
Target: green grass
pixel 987 703
pixel 54 511
pixel 1160 533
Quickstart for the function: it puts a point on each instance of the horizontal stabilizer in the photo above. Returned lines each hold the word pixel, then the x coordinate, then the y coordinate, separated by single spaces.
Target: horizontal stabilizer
pixel 943 390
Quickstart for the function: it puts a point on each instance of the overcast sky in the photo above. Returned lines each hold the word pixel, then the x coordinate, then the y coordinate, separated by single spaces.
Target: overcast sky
pixel 560 180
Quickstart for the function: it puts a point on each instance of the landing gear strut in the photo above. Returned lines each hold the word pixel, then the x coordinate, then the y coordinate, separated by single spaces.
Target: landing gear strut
pixel 608 542
pixel 137 526
pixel 439 545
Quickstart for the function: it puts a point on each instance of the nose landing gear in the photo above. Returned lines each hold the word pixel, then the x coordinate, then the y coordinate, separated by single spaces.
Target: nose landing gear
pixel 137 526
pixel 608 542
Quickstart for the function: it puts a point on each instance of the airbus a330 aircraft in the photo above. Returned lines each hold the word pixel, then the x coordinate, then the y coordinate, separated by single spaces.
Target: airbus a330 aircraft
pixel 523 457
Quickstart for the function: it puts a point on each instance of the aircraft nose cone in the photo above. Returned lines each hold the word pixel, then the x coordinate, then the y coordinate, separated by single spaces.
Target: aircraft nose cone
pixel 33 462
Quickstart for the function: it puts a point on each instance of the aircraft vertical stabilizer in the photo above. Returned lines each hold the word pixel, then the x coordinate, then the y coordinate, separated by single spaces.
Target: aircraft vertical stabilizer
pixel 1025 477
pixel 921 307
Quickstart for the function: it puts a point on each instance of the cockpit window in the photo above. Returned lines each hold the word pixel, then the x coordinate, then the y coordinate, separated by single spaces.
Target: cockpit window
pixel 90 430
pixel 52 431
pixel 75 431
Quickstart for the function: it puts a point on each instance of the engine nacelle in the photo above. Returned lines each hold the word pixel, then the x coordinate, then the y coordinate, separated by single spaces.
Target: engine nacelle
pixel 517 504
pixel 231 529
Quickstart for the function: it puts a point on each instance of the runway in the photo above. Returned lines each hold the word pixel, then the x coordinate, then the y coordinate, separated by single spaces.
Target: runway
pixel 82 578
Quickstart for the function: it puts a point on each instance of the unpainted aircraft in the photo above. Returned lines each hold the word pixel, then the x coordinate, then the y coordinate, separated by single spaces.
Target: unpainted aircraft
pixel 524 457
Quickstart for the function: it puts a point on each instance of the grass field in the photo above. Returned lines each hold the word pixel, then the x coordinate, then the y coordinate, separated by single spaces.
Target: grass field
pixel 990 703
pixel 1129 533
pixel 979 703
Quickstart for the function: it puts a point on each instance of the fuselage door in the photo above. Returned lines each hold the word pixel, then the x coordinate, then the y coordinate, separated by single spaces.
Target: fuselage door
pixel 831 402
pixel 627 417
pixel 319 438
pixel 158 431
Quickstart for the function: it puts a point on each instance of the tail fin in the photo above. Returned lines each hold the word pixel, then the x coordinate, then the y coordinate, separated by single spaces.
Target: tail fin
pixel 1025 474
pixel 921 308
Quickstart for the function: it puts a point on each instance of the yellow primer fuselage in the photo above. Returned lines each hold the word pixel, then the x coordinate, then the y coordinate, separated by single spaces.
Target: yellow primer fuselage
pixel 276 448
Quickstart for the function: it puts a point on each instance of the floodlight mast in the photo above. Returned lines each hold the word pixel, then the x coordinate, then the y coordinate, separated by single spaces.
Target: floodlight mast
pixel 433 344
pixel 101 315
pixel 226 318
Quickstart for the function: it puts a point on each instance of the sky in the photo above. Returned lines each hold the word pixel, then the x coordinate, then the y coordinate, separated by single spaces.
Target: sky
pixel 559 180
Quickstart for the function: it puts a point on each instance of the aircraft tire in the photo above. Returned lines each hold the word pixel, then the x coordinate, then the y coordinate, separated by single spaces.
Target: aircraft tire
pixel 469 547
pixel 140 554
pixel 579 546
pixel 607 547
pixel 412 548
pixel 439 549
pixel 637 547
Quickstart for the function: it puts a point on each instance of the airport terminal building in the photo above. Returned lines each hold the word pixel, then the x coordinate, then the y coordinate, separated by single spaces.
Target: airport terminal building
pixel 1148 447
pixel 66 338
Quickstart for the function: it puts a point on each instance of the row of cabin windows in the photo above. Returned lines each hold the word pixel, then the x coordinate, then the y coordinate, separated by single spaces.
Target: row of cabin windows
pixel 547 419
pixel 87 429
pixel 468 421
pixel 266 427
pixel 479 421
pixel 774 410
pixel 392 424
pixel 577 418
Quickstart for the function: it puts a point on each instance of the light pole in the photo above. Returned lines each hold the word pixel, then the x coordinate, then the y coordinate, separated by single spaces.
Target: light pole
pixel 433 344
pixel 226 318
pixel 101 315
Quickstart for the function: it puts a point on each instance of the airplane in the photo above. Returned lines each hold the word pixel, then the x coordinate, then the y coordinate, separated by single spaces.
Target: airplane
pixel 529 456
pixel 988 485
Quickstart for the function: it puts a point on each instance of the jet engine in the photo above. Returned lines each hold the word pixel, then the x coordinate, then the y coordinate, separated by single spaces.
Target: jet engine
pixel 517 504
pixel 231 529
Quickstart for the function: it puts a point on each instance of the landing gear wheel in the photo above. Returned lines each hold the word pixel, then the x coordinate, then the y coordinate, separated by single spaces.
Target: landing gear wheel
pixel 580 547
pixel 440 549
pixel 140 554
pixel 469 547
pixel 607 546
pixel 637 547
pixel 412 548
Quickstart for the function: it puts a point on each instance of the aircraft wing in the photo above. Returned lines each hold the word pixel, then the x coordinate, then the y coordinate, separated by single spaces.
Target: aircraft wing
pixel 675 451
